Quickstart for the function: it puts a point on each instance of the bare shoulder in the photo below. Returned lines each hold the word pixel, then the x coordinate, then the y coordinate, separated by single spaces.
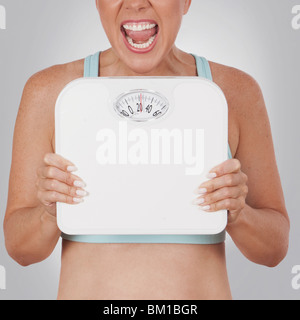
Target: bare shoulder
pixel 242 91
pixel 246 107
pixel 41 92
pixel 48 83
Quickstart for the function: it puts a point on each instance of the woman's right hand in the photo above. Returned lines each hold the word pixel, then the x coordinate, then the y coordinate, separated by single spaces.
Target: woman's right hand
pixel 56 183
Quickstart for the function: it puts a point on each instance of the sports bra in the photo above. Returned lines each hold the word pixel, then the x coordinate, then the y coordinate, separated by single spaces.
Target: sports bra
pixel 91 69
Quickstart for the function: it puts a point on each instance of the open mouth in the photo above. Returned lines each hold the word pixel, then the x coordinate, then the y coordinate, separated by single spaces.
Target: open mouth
pixel 140 36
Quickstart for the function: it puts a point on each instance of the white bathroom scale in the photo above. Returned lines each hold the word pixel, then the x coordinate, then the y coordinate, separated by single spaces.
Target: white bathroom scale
pixel 142 145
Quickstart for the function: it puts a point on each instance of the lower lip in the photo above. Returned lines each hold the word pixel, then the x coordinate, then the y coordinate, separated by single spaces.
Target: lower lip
pixel 140 51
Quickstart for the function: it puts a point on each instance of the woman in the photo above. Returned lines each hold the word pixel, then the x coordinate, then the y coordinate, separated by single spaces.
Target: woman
pixel 142 34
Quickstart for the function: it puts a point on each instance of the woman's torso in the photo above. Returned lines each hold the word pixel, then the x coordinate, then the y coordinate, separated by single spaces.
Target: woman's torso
pixel 144 271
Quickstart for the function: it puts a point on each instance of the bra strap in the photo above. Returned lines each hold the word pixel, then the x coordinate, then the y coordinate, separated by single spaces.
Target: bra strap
pixel 91 66
pixel 203 67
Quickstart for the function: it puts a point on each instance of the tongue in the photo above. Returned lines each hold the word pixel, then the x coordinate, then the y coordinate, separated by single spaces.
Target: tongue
pixel 144 35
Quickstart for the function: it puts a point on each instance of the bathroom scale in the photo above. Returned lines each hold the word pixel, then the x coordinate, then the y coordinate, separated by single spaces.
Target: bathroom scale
pixel 142 145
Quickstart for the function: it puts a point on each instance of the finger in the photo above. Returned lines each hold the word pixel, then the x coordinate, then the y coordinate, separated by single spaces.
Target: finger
pixel 50 207
pixel 227 204
pixel 55 160
pixel 62 176
pixel 54 185
pixel 229 166
pixel 228 180
pixel 48 198
pixel 219 195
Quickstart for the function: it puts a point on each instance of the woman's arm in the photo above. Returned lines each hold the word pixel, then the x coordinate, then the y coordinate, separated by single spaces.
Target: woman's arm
pixel 249 186
pixel 262 235
pixel 261 230
pixel 30 233
pixel 38 178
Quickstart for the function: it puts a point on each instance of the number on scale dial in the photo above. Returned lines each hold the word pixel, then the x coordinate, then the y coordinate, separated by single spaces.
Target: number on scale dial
pixel 141 105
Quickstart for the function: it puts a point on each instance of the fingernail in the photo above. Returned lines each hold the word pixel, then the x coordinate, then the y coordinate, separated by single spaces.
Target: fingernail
pixel 72 168
pixel 211 175
pixel 201 191
pixel 81 193
pixel 198 201
pixel 77 200
pixel 79 184
pixel 205 208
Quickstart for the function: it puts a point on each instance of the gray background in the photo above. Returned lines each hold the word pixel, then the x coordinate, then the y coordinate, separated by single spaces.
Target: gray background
pixel 255 36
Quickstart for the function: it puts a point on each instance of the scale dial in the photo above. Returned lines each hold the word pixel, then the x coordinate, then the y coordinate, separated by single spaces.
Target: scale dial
pixel 141 105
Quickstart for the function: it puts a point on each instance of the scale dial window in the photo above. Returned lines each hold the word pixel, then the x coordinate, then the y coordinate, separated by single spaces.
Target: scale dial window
pixel 141 105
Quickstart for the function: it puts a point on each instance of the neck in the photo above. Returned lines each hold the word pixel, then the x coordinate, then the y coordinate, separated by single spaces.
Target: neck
pixel 175 63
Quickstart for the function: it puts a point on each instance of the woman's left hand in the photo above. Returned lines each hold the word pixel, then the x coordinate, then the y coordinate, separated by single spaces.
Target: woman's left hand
pixel 227 190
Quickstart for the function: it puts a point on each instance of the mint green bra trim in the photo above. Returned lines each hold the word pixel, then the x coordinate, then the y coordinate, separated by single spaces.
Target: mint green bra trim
pixel 157 239
pixel 91 69
pixel 91 66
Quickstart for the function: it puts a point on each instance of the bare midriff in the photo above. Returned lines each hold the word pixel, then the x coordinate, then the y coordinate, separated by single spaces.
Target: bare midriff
pixel 143 272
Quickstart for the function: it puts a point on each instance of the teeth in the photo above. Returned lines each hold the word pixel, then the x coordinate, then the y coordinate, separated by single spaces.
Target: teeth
pixel 139 27
pixel 141 45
